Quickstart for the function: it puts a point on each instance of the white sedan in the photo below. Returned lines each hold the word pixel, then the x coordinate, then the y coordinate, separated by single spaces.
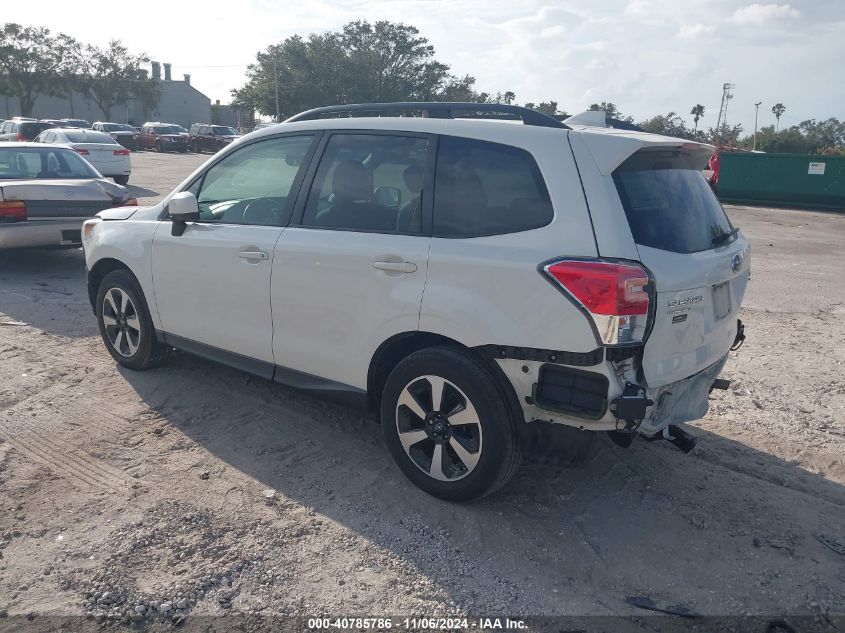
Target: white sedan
pixel 107 156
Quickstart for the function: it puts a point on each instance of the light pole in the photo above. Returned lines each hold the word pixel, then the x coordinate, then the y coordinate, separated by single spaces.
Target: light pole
pixel 756 110
pixel 276 85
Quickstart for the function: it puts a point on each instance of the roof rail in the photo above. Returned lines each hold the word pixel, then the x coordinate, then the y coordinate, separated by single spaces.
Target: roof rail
pixel 441 110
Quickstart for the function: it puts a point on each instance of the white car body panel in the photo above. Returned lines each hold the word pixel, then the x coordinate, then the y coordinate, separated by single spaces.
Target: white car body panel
pixel 207 291
pixel 332 308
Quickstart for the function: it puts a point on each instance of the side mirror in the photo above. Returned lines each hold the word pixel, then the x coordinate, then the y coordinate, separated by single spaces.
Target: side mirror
pixel 182 208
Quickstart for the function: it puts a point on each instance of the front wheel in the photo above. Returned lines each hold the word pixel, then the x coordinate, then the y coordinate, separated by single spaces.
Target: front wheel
pixel 448 425
pixel 122 180
pixel 125 324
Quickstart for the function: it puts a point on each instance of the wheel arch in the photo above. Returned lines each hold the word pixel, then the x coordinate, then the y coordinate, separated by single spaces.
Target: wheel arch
pixel 98 272
pixel 391 352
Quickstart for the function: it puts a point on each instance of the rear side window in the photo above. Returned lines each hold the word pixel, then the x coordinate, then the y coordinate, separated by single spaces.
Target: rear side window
pixel 668 203
pixel 486 188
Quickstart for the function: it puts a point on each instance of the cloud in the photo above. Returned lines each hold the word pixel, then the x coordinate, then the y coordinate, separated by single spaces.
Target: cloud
pixel 695 30
pixel 757 14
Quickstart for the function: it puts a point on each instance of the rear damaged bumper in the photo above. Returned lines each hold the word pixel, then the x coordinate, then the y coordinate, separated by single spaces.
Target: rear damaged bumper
pixel 45 233
pixel 589 397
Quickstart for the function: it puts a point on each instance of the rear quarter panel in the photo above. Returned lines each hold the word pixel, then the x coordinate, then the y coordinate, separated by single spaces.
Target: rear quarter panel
pixel 488 290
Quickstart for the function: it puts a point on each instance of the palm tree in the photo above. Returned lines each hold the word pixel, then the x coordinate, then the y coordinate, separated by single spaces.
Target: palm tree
pixel 778 109
pixel 697 112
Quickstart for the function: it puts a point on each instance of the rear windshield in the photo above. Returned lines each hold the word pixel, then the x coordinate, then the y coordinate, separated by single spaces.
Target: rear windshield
pixel 166 129
pixel 117 127
pixel 223 131
pixel 668 203
pixel 50 163
pixel 87 136
pixel 31 130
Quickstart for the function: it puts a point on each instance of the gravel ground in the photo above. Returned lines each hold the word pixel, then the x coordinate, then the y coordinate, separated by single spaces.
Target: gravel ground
pixel 194 489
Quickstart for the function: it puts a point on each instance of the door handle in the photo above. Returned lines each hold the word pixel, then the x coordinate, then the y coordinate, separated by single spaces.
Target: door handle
pixel 396 267
pixel 253 256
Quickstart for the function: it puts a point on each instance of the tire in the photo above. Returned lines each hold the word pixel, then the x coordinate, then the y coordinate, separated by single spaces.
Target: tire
pixel 122 180
pixel 158 146
pixel 197 149
pixel 481 424
pixel 125 324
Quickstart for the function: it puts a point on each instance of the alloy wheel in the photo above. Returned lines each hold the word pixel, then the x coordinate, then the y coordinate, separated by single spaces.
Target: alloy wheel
pixel 121 321
pixel 439 428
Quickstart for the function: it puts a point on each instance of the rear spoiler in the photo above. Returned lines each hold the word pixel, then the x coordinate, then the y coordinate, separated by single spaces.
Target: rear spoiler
pixel 611 148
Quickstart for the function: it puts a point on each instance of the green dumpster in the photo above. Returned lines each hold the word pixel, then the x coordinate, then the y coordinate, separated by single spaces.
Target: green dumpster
pixel 782 179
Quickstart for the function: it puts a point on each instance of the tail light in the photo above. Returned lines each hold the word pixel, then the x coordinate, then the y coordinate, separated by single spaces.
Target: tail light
pixel 121 152
pixel 12 211
pixel 616 296
pixel 129 202
pixel 79 150
pixel 21 138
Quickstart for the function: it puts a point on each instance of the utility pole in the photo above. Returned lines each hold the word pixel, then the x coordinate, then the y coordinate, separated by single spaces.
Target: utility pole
pixel 756 110
pixel 276 85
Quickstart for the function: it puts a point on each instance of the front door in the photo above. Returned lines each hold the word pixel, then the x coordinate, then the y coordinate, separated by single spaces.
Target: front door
pixel 351 273
pixel 212 283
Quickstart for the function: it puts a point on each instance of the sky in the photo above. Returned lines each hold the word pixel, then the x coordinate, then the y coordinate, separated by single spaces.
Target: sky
pixel 647 56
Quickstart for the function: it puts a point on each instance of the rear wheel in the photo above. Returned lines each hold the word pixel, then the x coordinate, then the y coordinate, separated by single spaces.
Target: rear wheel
pixel 125 324
pixel 448 425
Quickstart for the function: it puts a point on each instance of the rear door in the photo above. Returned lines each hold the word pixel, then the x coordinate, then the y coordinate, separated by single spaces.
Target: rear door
pixel 351 274
pixel 699 260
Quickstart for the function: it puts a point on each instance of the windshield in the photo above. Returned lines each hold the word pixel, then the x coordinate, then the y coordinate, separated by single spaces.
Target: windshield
pixel 223 131
pixel 77 123
pixel 167 129
pixel 118 127
pixel 49 163
pixel 669 205
pixel 181 129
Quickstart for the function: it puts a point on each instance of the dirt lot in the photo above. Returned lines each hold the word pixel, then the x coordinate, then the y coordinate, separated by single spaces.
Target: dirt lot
pixel 215 492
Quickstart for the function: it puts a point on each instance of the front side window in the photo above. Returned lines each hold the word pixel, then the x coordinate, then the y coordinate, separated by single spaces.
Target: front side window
pixel 483 188
pixel 369 182
pixel 253 185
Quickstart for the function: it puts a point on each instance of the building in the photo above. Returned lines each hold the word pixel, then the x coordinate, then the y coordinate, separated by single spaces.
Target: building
pixel 179 103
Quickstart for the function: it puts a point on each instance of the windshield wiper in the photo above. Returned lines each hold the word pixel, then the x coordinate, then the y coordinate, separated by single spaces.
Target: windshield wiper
pixel 724 238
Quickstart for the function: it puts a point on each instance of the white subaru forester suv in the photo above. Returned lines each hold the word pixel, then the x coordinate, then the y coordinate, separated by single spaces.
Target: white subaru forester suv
pixel 460 276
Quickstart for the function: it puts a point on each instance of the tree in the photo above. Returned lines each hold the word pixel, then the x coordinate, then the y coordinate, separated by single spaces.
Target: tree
pixel 778 109
pixel 697 112
pixel 611 110
pixel 670 124
pixel 364 62
pixel 30 62
pixel 113 75
pixel 725 134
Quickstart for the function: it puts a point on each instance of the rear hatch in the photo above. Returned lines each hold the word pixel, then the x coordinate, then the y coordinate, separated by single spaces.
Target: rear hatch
pixel 699 260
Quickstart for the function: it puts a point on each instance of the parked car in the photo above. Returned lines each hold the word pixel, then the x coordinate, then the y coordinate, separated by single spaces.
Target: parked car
pixel 22 130
pixel 46 192
pixel 80 123
pixel 203 137
pixel 162 137
pixel 121 132
pixel 576 275
pixel 107 156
